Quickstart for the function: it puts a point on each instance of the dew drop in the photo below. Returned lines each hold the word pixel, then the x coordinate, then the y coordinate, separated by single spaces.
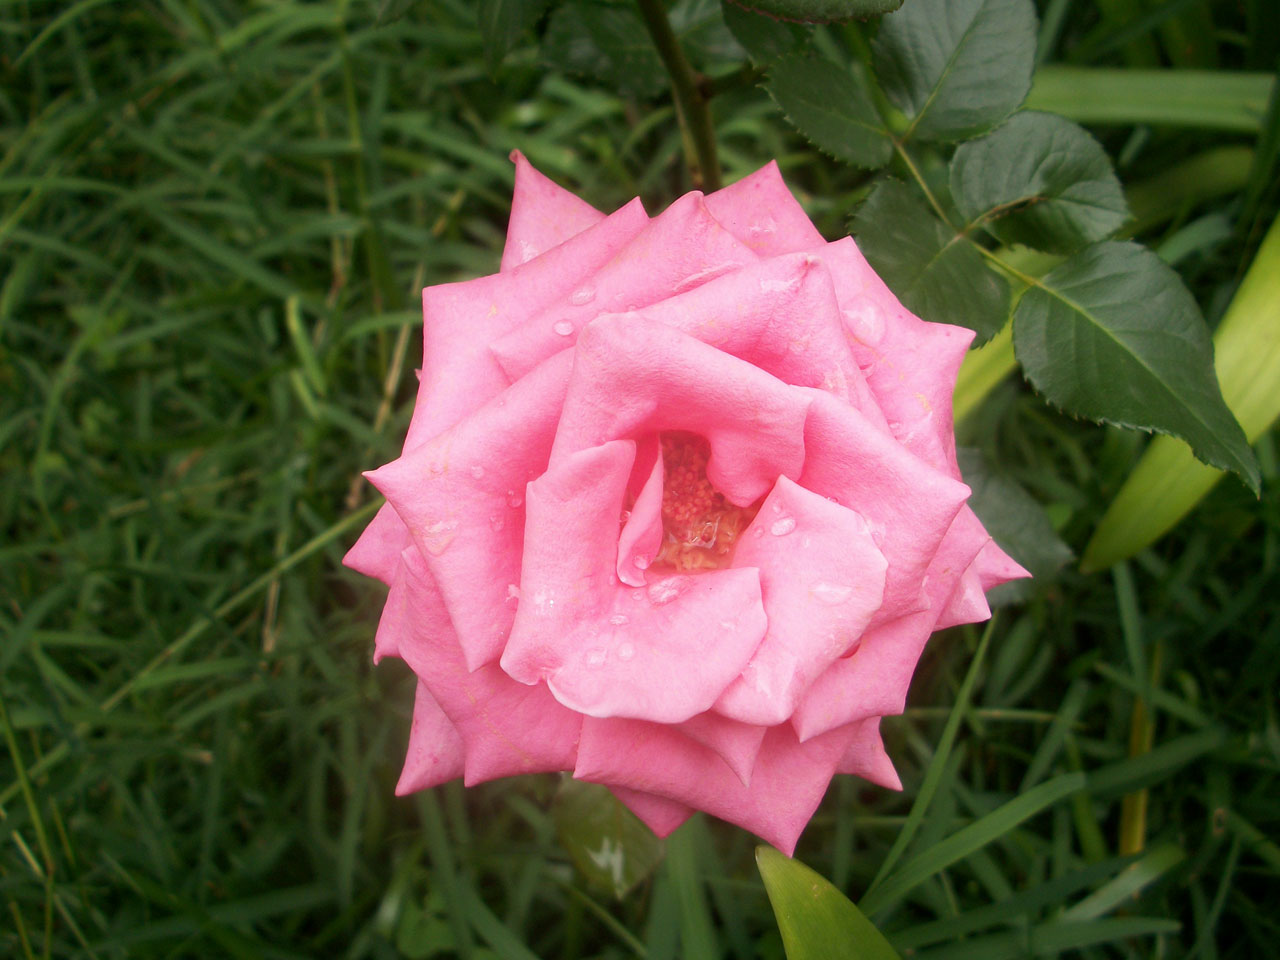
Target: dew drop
pixel 563 327
pixel 597 657
pixel 618 619
pixel 782 526
pixel 583 295
pixel 757 532
pixel 664 591
pixel 514 499
pixel 626 651
pixel 641 561
pixel 513 592
pixel 832 593
pixel 477 471
pixel 496 523
pixel 439 535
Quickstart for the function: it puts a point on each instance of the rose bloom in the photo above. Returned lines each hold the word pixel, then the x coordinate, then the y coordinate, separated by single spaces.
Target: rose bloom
pixel 677 510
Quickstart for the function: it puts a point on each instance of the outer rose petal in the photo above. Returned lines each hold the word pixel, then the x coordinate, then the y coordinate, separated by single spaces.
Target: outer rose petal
pixel 874 680
pixel 659 814
pixel 679 250
pixel 761 212
pixel 602 646
pixel 507 728
pixel 435 748
pixel 641 536
pixel 459 374
pixel 822 579
pixel 909 505
pixel 865 757
pixel 737 744
pixel 543 215
pixel 632 376
pixel 786 786
pixel 461 495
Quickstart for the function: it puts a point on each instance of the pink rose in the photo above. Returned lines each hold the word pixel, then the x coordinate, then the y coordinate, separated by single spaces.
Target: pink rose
pixel 677 510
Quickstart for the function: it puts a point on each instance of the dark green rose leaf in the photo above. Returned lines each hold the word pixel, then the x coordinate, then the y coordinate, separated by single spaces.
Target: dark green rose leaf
pixel 820 11
pixel 706 40
pixel 817 921
pixel 1113 335
pixel 956 67
pixel 502 22
pixel 831 105
pixel 765 38
pixel 608 843
pixel 934 271
pixel 1039 180
pixel 1016 522
pixel 606 43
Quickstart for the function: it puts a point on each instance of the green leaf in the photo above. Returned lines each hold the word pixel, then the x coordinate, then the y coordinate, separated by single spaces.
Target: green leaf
pixel 831 105
pixel 817 921
pixel 956 67
pixel 1039 180
pixel 765 38
pixel 968 839
pixel 1113 335
pixel 933 270
pixel 502 22
pixel 609 44
pixel 821 11
pixel 1016 522
pixel 606 841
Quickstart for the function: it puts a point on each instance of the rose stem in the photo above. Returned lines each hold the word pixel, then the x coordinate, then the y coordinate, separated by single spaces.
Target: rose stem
pixel 692 108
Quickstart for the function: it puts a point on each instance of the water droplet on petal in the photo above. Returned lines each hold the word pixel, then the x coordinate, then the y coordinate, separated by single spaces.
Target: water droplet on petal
pixel 514 499
pixel 641 561
pixel 597 657
pixel 757 532
pixel 563 327
pixel 832 593
pixel 664 590
pixel 496 523
pixel 513 592
pixel 437 536
pixel 477 471
pixel 583 295
pixel 782 526
pixel 618 619
pixel 626 651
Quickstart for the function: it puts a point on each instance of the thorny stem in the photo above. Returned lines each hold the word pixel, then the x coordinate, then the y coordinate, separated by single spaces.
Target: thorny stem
pixel 691 104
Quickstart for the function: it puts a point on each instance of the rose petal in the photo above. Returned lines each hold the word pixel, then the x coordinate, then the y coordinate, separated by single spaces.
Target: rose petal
pixel 780 315
pixel 461 495
pixel 506 727
pixel 761 212
pixel 873 681
pixel 376 552
pixel 681 249
pixel 543 215
pixel 435 748
pixel 737 744
pixel 968 602
pixel 641 535
pixel 865 757
pixel 910 365
pixel 633 376
pixel 787 783
pixel 822 579
pixel 662 652
pixel 659 814
pixel 909 504
pixel 460 320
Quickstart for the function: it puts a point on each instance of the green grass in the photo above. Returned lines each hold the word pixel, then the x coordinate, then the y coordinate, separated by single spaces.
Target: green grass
pixel 215 216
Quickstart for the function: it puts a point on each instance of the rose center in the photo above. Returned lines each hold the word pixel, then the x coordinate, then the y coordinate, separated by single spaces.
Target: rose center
pixel 700 527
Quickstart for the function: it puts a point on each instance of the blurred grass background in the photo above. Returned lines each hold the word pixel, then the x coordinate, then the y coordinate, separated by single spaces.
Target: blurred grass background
pixel 215 216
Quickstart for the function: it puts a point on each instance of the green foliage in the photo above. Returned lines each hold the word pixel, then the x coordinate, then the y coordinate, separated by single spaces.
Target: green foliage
pixel 821 11
pixel 833 106
pixel 1136 348
pixel 933 271
pixel 956 67
pixel 818 922
pixel 608 844
pixel 1038 180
